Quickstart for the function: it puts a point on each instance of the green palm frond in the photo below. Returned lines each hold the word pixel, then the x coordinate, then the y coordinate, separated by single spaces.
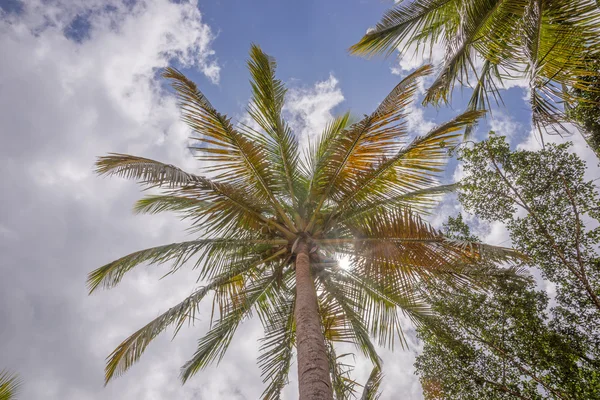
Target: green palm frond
pixel 549 43
pixel 131 349
pixel 146 171
pixel 371 390
pixel 214 344
pixel 348 310
pixel 343 386
pixel 381 302
pixel 238 157
pixel 357 149
pixel 10 383
pixel 277 347
pixel 265 108
pixel 398 23
pixel 155 204
pixel 231 202
pixel 411 168
pixel 421 200
pixel 210 250
pixel 486 84
pixel 319 152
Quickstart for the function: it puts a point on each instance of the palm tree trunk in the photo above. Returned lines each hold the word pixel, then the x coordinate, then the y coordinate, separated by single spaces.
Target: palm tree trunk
pixel 313 367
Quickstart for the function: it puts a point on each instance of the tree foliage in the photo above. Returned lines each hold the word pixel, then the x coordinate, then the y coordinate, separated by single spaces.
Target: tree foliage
pixel 500 344
pixel 357 193
pixel 512 341
pixel 547 206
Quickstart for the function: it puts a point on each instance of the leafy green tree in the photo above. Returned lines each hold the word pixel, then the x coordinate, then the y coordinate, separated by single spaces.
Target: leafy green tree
pixel 273 224
pixel 552 214
pixel 9 385
pixel 549 43
pixel 499 344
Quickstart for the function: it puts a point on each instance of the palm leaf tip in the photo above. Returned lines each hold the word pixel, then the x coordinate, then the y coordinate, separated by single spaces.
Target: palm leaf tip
pixel 371 389
pixel 10 384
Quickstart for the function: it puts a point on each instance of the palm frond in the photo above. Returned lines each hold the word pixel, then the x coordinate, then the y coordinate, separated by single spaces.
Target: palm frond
pixel 371 390
pixel 486 83
pixel 214 344
pixel 343 386
pixel 238 157
pixel 398 246
pixel 131 349
pixel 268 96
pixel 230 202
pixel 277 347
pixel 351 326
pixel 178 254
pixel 146 171
pixel 319 151
pixel 364 144
pixel 411 168
pixel 480 22
pixel 420 200
pixel 382 298
pixel 398 23
pixel 155 204
pixel 10 383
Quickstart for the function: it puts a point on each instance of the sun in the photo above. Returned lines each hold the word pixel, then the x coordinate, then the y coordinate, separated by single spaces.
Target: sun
pixel 344 262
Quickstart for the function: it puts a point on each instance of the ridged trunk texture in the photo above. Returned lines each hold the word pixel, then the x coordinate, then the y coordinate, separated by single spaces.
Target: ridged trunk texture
pixel 313 367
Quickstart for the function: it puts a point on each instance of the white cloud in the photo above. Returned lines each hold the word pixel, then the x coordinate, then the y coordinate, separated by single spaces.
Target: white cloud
pixel 415 119
pixel 413 57
pixel 309 109
pixel 504 125
pixel 62 103
pixel 580 147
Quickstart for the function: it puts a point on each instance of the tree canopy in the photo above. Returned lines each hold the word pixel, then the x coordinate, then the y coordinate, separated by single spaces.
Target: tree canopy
pixel 501 343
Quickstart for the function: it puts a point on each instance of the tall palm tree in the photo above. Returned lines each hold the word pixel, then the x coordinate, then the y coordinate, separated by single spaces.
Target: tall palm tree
pixel 273 225
pixel 550 43
pixel 9 385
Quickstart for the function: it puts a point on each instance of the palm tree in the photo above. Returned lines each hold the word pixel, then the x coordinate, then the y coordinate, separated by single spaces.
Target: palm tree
pixel 9 385
pixel 550 43
pixel 273 226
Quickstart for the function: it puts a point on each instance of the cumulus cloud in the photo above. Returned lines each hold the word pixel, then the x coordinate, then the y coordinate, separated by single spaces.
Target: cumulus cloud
pixel 414 56
pixel 309 109
pixel 505 125
pixel 68 94
pixel 81 81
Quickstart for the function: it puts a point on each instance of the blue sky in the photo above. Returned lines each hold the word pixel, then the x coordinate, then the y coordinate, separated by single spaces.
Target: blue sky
pixel 309 40
pixel 79 79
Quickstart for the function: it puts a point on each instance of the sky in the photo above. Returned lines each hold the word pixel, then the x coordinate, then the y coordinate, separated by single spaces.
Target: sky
pixel 79 79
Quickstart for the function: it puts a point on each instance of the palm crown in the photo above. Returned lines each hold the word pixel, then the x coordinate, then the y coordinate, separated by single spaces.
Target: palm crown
pixel 273 225
pixel 550 43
